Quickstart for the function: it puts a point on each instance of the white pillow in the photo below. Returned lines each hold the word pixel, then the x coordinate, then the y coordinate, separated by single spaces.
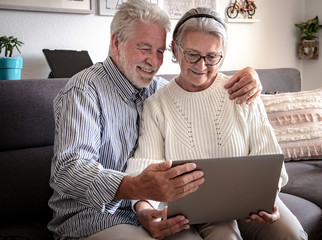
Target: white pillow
pixel 297 121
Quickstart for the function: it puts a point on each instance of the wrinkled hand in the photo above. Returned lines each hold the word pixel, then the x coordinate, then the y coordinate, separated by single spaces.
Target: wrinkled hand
pixel 160 182
pixel 244 85
pixel 264 217
pixel 151 220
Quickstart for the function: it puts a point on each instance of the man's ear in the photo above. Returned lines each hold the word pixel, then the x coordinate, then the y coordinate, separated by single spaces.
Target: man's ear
pixel 115 44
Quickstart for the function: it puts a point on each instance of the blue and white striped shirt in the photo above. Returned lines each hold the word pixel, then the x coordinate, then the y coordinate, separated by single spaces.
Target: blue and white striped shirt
pixel 97 117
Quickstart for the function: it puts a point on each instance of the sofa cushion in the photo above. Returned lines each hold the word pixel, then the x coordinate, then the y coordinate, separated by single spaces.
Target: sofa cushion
pixel 28 108
pixel 24 184
pixel 26 232
pixel 305 178
pixel 311 223
pixel 297 122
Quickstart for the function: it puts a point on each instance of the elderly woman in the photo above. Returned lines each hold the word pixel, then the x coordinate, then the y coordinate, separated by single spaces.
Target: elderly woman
pixel 192 117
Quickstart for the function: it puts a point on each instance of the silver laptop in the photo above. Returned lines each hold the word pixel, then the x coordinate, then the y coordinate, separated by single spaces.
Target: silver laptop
pixel 234 188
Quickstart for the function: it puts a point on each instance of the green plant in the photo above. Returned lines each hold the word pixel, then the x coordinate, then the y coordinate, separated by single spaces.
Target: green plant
pixel 309 28
pixel 9 44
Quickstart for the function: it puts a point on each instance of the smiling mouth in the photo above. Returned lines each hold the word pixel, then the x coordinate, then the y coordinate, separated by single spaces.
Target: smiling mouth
pixel 197 73
pixel 146 70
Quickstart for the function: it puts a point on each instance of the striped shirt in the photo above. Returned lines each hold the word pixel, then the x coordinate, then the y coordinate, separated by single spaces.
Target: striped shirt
pixel 97 117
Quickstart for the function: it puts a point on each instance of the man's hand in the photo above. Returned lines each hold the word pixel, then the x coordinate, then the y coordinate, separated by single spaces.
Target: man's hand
pixel 264 217
pixel 151 220
pixel 160 182
pixel 244 85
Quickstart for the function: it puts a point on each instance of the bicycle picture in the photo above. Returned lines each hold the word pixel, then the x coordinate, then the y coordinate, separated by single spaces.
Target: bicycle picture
pixel 247 6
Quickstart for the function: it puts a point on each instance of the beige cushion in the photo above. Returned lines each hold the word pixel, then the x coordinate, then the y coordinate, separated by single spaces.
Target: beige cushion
pixel 297 121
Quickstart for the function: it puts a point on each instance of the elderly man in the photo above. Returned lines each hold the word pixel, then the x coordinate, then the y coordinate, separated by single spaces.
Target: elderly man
pixel 97 116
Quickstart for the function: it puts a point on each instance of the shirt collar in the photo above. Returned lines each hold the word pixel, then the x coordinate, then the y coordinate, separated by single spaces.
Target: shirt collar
pixel 126 90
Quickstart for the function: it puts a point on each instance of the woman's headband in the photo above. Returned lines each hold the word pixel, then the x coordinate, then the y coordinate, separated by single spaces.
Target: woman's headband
pixel 200 15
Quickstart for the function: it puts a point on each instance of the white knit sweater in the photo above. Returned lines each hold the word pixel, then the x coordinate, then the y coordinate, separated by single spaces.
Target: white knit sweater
pixel 178 125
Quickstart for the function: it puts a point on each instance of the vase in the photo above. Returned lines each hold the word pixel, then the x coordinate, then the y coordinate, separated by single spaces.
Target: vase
pixel 308 49
pixel 10 68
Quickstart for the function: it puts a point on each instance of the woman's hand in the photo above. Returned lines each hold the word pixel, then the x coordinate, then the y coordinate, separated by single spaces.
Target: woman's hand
pixel 264 217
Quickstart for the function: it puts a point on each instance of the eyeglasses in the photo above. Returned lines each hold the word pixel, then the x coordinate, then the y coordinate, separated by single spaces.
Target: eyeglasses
pixel 193 57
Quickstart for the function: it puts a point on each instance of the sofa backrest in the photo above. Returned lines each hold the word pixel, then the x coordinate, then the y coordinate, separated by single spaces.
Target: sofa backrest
pixel 26 148
pixel 278 79
pixel 273 80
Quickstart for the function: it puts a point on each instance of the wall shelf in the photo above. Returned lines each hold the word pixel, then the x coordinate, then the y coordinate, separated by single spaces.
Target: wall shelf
pixel 241 20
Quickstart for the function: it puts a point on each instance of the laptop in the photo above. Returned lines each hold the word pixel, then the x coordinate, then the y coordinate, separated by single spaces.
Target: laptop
pixel 66 63
pixel 234 188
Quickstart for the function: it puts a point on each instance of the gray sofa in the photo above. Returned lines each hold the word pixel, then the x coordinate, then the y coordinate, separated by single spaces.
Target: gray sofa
pixel 26 150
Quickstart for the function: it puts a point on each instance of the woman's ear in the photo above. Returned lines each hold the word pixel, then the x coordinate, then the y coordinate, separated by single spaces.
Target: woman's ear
pixel 174 49
pixel 115 44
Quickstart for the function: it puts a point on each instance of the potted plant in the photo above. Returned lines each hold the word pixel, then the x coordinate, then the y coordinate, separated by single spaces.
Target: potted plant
pixel 309 45
pixel 10 67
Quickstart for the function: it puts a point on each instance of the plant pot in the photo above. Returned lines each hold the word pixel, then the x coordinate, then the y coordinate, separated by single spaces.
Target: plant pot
pixel 308 49
pixel 10 68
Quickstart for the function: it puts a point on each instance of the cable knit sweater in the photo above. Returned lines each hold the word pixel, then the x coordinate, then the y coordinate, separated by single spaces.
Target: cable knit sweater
pixel 177 125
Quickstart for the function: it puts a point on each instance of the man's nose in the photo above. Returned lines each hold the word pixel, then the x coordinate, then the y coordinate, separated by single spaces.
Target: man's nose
pixel 153 59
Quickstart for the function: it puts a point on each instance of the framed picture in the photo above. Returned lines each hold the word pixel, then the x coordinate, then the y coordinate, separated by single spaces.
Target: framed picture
pixel 174 8
pixel 65 6
pixel 108 7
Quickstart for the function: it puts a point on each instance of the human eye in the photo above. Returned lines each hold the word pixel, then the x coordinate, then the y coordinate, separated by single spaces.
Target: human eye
pixel 192 54
pixel 161 51
pixel 144 49
pixel 213 56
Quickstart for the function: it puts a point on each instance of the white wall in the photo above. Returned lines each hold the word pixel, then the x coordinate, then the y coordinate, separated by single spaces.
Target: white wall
pixel 39 30
pixel 269 43
pixel 312 69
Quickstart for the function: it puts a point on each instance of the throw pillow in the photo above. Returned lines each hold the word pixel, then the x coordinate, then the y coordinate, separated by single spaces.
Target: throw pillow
pixel 297 121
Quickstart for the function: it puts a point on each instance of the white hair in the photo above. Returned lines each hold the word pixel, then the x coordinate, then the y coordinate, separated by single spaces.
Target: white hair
pixel 205 20
pixel 130 13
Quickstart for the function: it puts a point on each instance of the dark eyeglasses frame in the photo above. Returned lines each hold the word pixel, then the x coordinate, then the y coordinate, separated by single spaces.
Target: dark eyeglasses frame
pixel 200 57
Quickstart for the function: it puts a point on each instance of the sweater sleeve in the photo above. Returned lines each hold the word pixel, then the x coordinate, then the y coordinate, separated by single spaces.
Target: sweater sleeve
pixel 150 143
pixel 262 137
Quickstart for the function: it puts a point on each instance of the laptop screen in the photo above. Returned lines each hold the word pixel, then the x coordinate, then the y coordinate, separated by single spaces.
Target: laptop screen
pixel 66 63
